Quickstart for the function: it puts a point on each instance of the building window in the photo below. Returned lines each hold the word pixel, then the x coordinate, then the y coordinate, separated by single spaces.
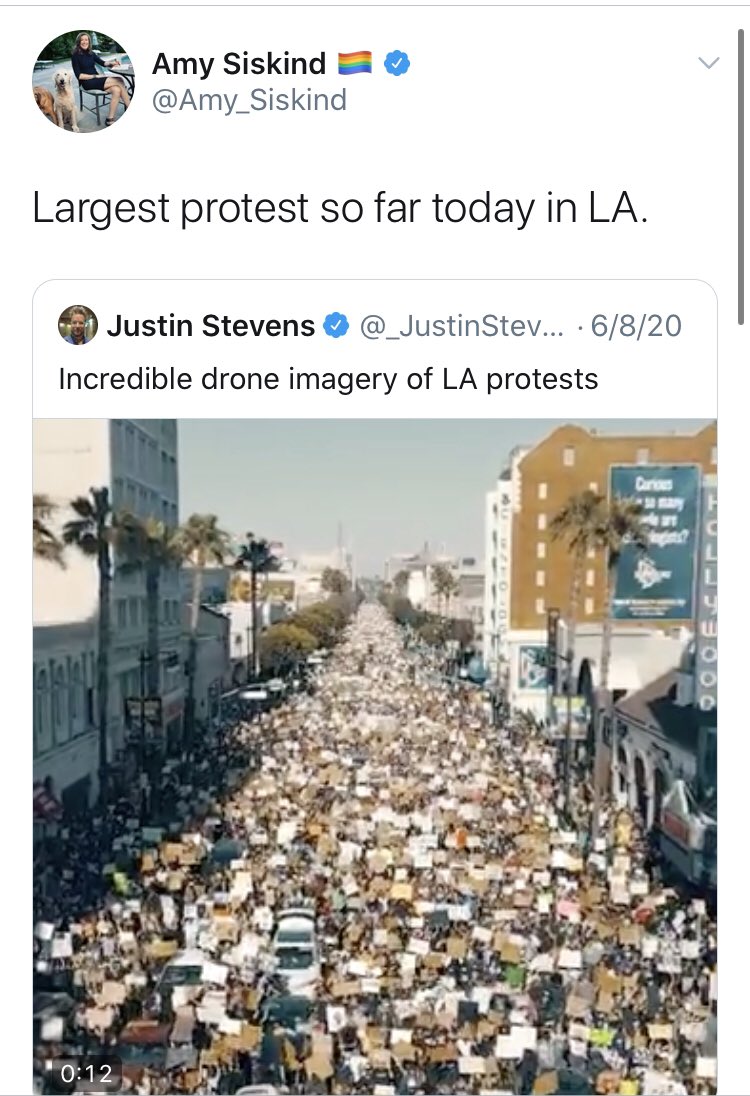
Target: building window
pixel 130 497
pixel 589 578
pixel 176 612
pixel 165 612
pixel 642 456
pixel 129 445
pixel 74 702
pixel 594 487
pixel 77 701
pixel 539 605
pixel 122 612
pixel 133 611
pixel 41 714
pixel 569 456
pixel 59 707
pixel 714 456
pixel 541 492
pixel 541 522
pixel 540 578
pixel 591 553
pixel 541 550
pixel 588 606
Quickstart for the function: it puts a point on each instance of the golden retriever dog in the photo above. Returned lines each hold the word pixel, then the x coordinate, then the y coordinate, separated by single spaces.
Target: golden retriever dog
pixel 65 104
pixel 46 103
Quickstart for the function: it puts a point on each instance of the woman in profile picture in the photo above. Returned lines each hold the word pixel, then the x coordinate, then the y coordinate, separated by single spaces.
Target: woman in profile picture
pixel 84 66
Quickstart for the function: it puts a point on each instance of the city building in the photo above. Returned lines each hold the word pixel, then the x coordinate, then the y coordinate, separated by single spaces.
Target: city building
pixel 137 461
pixel 307 569
pixel 665 732
pixel 527 572
pixel 419 586
pixel 215 582
pixel 213 665
pixel 468 604
pixel 66 745
pixel 239 615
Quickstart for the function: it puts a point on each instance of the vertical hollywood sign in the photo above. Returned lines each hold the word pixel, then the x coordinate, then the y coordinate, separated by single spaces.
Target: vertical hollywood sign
pixel 503 584
pixel 707 617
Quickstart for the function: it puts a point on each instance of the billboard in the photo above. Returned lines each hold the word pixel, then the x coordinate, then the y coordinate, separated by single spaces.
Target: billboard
pixel 707 601
pixel 532 667
pixel 658 584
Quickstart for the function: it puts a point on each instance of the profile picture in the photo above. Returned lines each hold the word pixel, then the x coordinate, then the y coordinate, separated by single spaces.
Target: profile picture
pixel 83 81
pixel 77 325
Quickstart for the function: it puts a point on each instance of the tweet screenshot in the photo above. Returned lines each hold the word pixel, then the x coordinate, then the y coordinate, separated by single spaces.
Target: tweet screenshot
pixel 366 360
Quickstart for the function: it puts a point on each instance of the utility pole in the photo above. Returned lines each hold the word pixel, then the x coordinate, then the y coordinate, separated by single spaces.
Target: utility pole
pixel 143 659
pixel 340 546
pixel 569 657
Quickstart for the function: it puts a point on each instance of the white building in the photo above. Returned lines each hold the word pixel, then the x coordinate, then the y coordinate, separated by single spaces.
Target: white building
pixel 500 506
pixel 240 629
pixel 66 746
pixel 468 604
pixel 307 571
pixel 213 666
pixel 137 461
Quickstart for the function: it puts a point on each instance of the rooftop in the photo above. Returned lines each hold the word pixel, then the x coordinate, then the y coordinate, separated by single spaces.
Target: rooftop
pixel 655 707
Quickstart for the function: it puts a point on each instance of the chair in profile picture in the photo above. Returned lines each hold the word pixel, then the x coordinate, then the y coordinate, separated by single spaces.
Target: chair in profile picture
pixel 100 101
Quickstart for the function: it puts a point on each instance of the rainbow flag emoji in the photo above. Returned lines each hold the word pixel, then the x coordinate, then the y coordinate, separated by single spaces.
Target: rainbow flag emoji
pixel 349 63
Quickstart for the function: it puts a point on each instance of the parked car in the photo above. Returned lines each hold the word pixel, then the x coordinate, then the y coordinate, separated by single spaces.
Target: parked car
pixel 257 1090
pixel 295 950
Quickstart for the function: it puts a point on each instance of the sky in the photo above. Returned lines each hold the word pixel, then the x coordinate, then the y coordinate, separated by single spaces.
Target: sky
pixel 392 484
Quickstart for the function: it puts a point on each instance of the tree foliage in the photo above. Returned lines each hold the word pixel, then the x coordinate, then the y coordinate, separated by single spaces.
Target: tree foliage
pixel 334 581
pixel 47 545
pixel 285 644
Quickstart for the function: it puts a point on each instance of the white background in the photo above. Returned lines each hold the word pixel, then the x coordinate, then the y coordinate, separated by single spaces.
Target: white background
pixel 516 100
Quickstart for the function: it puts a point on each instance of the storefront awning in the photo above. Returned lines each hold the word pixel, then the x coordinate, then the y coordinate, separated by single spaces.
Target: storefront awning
pixel 46 807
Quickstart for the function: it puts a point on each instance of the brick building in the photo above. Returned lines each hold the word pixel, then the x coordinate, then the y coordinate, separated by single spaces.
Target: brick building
pixel 526 571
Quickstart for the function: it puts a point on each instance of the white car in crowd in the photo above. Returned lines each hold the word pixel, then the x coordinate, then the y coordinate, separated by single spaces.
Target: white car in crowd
pixel 295 951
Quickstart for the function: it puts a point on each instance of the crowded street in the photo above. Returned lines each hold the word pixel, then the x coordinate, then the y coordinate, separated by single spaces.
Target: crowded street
pixel 373 888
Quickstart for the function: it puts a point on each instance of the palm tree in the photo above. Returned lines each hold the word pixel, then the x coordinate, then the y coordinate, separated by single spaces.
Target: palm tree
pixel 256 555
pixel 622 526
pixel 578 524
pixel 200 541
pixel 148 546
pixel 46 544
pixel 444 585
pixel 92 532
